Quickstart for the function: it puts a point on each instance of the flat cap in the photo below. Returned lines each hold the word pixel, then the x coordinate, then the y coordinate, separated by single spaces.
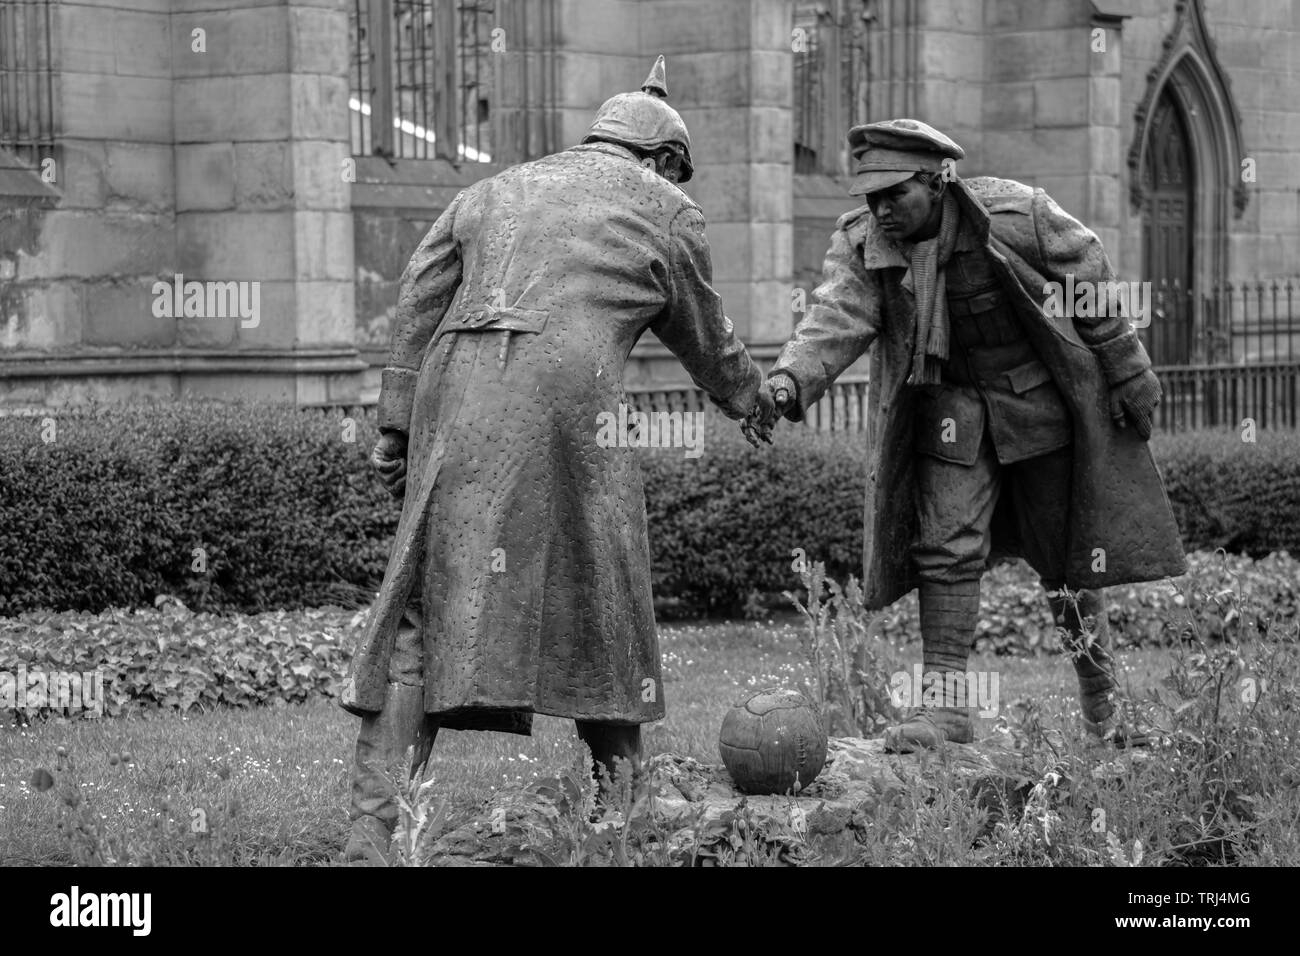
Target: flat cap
pixel 891 151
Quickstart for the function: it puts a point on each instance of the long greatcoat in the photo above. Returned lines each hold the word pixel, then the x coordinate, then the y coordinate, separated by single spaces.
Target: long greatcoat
pixel 1121 528
pixel 522 534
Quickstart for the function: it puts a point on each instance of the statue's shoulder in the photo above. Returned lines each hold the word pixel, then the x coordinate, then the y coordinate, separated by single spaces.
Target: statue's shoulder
pixel 1001 195
pixel 856 222
pixel 857 226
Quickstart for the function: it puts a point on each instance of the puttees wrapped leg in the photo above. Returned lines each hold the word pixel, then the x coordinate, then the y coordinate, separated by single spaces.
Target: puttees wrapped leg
pixel 1085 635
pixel 948 616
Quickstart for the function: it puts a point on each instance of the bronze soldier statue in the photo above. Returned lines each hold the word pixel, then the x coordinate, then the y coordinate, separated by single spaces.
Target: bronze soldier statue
pixel 519 581
pixel 996 426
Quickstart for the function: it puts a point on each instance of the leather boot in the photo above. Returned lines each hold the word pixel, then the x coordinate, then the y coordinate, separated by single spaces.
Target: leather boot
pixel 948 616
pixel 1085 635
pixel 381 747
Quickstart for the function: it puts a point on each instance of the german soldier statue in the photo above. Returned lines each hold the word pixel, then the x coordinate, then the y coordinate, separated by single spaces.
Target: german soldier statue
pixel 999 423
pixel 519 581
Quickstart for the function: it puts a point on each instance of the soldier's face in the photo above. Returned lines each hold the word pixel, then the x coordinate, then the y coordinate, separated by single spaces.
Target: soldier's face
pixel 671 167
pixel 666 164
pixel 905 210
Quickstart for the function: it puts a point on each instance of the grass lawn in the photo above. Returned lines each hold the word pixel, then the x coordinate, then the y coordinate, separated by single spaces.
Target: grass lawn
pixel 270 785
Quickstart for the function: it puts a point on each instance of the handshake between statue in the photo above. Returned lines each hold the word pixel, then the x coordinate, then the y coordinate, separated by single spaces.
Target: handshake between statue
pixel 775 395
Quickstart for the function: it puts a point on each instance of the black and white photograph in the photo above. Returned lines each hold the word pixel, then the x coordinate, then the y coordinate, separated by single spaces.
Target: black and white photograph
pixel 650 433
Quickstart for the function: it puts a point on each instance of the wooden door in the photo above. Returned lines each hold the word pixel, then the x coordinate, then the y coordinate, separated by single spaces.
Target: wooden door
pixel 1167 176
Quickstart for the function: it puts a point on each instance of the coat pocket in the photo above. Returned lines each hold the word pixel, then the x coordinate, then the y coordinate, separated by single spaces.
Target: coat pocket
pixel 1027 414
pixel 949 423
pixel 1022 378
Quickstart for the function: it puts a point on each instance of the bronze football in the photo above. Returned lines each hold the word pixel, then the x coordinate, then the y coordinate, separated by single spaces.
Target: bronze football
pixel 771 739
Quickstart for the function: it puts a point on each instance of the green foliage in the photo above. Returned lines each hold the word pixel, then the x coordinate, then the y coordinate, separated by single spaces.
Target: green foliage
pixel 267 785
pixel 1218 789
pixel 287 514
pixel 1223 596
pixel 850 659
pixel 173 659
pixel 111 512
pixel 1227 493
pixel 727 523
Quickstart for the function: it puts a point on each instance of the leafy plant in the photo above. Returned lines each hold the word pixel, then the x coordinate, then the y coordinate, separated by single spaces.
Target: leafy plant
pixel 852 665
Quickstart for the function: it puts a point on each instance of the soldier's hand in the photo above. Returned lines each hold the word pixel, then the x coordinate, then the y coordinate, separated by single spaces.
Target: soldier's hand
pixel 388 459
pixel 1135 402
pixel 758 423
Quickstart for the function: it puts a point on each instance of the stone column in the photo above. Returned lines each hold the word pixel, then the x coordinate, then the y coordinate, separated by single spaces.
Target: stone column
pixel 730 76
pixel 1037 112
pixel 1103 209
pixel 260 112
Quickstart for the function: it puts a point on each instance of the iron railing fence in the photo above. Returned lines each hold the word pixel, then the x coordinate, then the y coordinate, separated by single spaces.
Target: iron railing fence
pixel 1246 322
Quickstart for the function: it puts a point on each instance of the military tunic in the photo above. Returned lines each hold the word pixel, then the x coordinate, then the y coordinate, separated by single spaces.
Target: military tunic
pixel 1116 526
pixel 994 436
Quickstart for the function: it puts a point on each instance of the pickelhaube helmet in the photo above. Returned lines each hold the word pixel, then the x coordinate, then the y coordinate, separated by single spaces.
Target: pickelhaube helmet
pixel 644 120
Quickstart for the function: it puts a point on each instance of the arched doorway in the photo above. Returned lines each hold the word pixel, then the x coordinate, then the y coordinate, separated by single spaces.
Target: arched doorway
pixel 1168 228
pixel 1187 146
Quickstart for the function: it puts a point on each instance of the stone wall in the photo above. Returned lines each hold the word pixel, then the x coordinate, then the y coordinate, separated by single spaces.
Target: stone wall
pixel 729 75
pixel 230 163
pixel 1028 94
pixel 204 138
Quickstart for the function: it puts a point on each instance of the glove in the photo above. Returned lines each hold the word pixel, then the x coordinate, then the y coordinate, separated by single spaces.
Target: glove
pixel 388 459
pixel 775 395
pixel 785 392
pixel 1136 400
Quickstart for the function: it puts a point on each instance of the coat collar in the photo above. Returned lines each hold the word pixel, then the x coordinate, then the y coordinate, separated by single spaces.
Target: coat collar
pixel 881 252
pixel 601 146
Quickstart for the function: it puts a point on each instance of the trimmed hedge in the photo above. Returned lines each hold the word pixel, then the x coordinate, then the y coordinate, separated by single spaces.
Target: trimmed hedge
pixel 1241 496
pixel 125 503
pixel 111 512
pixel 728 523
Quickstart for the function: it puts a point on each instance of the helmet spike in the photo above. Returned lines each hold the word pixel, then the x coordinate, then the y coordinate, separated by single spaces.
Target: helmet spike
pixel 656 84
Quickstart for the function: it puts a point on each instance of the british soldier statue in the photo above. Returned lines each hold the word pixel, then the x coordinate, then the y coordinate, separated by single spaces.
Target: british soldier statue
pixel 996 424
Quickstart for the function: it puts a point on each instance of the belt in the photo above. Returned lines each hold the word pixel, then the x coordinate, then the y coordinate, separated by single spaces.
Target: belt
pixel 507 319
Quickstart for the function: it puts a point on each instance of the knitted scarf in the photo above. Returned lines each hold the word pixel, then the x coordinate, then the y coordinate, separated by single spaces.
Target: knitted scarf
pixel 929 258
